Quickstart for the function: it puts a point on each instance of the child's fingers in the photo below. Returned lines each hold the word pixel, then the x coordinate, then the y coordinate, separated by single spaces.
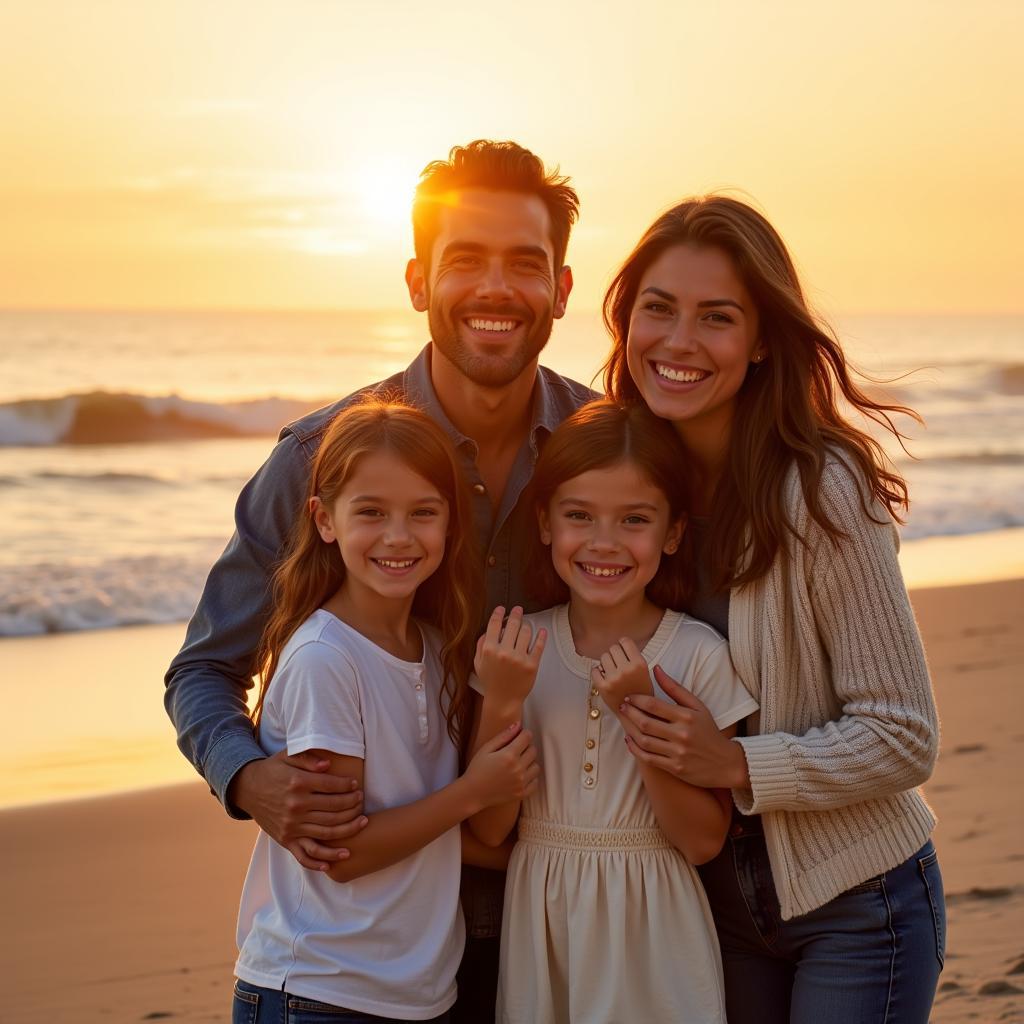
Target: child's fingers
pixel 494 623
pixel 607 664
pixel 313 855
pixel 538 644
pixel 629 648
pixel 513 623
pixel 617 656
pixel 522 742
pixel 522 641
pixel 501 740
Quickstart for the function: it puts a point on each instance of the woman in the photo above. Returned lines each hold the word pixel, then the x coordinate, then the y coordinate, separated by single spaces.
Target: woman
pixel 827 897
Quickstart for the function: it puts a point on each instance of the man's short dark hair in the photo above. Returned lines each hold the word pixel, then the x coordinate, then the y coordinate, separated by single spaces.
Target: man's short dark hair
pixel 504 167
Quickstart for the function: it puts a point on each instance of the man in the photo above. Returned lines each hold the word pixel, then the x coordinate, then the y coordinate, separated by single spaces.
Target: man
pixel 491 229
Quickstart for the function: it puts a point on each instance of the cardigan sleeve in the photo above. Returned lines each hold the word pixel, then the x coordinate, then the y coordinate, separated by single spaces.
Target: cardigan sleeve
pixel 884 738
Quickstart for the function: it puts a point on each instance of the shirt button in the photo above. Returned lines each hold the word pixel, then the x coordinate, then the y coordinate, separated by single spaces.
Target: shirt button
pixel 588 767
pixel 593 691
pixel 492 561
pixel 591 744
pixel 419 686
pixel 594 713
pixel 588 781
pixel 479 489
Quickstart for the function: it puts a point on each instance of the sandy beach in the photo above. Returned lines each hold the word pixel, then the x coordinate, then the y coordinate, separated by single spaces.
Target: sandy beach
pixel 122 908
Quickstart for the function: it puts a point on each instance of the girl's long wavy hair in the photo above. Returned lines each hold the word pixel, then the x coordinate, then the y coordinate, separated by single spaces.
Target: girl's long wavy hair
pixel 787 409
pixel 600 435
pixel 312 570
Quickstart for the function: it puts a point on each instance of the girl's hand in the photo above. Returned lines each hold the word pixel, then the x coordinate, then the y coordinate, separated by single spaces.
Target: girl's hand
pixel 682 738
pixel 505 663
pixel 505 769
pixel 621 673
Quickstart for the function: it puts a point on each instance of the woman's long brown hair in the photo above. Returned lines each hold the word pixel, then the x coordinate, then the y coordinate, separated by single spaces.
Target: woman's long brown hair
pixel 787 408
pixel 312 570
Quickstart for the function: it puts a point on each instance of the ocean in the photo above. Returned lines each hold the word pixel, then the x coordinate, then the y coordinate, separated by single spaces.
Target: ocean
pixel 125 436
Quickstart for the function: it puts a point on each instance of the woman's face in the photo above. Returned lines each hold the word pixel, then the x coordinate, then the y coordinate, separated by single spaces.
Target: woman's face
pixel 693 332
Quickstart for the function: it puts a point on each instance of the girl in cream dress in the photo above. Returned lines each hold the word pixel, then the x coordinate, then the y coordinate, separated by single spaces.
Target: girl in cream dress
pixel 605 918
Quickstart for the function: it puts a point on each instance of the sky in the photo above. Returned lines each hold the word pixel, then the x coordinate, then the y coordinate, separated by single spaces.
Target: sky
pixel 181 154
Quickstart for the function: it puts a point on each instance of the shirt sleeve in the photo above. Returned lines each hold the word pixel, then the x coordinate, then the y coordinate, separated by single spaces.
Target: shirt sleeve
pixel 207 681
pixel 476 685
pixel 314 697
pixel 884 738
pixel 717 686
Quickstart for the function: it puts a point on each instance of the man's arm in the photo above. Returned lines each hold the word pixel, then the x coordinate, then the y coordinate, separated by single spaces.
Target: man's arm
pixel 295 800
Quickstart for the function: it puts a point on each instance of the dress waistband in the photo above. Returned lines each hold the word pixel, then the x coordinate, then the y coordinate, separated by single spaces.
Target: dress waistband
pixel 595 840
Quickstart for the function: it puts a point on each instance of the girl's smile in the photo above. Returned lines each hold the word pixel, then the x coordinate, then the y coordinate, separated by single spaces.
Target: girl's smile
pixel 390 525
pixel 607 529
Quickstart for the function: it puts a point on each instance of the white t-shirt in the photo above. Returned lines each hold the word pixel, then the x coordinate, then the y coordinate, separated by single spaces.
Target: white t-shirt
pixel 388 943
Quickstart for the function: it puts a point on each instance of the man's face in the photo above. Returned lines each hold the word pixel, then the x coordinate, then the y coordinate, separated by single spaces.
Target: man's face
pixel 491 291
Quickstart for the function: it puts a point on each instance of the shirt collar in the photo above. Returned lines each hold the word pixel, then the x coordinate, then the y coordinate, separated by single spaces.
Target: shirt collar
pixel 545 414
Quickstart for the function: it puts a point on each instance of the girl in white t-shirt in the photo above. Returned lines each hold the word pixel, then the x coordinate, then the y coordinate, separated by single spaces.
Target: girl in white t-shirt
pixel 605 918
pixel 364 661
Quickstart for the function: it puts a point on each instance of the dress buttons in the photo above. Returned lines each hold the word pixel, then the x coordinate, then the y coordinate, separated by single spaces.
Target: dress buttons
pixel 588 767
pixel 479 489
pixel 419 686
pixel 595 713
pixel 593 691
pixel 492 561
pixel 591 744
pixel 589 780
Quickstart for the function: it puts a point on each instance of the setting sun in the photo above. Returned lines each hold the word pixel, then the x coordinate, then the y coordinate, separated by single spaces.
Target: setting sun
pixel 385 192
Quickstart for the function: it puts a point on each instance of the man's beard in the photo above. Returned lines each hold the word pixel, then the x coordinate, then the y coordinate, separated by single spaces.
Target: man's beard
pixel 490 371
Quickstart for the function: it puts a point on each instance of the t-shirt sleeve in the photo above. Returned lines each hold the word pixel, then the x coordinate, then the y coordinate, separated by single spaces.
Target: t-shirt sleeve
pixel 475 684
pixel 716 684
pixel 316 697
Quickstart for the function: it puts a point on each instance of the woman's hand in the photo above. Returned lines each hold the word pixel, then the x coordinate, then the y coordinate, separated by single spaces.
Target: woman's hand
pixel 682 738
pixel 505 662
pixel 621 673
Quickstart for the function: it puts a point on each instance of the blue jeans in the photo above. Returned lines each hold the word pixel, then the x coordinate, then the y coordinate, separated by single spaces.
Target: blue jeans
pixel 870 956
pixel 255 1005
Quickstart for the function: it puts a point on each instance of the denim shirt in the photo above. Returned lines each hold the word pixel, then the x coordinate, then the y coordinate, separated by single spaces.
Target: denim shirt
pixel 207 681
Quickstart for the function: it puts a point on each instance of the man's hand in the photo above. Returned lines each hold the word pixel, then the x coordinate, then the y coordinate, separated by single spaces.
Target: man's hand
pixel 300 805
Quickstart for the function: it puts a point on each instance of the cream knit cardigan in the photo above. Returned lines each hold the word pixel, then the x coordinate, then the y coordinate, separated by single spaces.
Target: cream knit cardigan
pixel 827 643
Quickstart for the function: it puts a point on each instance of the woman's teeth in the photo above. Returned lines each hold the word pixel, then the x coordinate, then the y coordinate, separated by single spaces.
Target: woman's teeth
pixel 684 376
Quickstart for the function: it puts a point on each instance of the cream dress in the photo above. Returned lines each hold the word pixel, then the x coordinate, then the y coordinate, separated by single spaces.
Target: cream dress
pixel 605 922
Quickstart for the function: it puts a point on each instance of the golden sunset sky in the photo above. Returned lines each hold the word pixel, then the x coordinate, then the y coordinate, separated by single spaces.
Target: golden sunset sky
pixel 261 155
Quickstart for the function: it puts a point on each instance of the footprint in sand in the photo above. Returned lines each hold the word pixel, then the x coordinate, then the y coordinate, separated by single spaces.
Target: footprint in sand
pixel 998 988
pixel 970 748
pixel 979 894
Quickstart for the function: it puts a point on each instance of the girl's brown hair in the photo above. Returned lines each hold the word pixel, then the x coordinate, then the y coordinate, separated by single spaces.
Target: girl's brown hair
pixel 312 570
pixel 600 435
pixel 787 409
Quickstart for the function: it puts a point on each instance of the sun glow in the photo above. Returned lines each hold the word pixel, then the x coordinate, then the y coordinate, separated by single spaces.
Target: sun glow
pixel 385 193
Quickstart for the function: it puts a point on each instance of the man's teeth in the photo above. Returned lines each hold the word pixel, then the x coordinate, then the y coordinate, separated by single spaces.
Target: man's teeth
pixel 596 570
pixel 685 376
pixel 492 325
pixel 392 563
